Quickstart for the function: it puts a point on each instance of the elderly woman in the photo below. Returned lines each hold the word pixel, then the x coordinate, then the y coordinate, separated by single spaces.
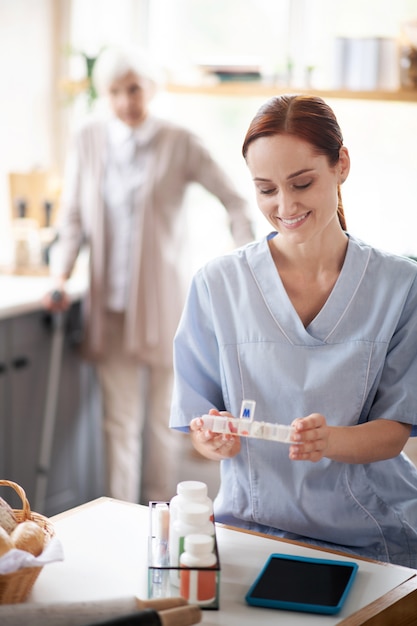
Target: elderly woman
pixel 124 195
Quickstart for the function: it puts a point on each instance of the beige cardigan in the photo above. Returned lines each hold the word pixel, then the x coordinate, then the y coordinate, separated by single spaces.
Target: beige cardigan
pixel 157 280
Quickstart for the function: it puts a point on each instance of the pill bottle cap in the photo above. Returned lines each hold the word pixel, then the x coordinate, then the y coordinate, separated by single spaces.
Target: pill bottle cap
pixel 199 544
pixel 192 489
pixel 194 513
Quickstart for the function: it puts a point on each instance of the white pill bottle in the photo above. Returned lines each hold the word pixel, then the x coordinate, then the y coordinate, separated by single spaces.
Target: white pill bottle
pixel 198 586
pixel 189 491
pixel 193 518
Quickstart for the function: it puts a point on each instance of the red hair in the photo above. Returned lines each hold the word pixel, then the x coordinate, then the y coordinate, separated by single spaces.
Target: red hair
pixel 306 117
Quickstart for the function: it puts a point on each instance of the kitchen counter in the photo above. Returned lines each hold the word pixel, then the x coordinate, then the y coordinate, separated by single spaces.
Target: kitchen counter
pixel 44 382
pixel 24 294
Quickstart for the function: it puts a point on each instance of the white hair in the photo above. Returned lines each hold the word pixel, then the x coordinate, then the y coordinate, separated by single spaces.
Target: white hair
pixel 115 62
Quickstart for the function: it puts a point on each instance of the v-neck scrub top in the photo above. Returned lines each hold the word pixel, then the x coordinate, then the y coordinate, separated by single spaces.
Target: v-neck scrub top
pixel 241 338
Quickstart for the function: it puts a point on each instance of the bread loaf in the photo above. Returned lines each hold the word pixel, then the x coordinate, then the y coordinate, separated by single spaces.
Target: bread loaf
pixel 28 536
pixel 8 519
pixel 6 542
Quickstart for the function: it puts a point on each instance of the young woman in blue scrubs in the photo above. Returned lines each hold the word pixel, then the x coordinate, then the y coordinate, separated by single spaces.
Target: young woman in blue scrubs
pixel 320 329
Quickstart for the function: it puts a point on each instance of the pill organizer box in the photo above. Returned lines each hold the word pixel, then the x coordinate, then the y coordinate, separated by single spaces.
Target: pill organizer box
pixel 248 428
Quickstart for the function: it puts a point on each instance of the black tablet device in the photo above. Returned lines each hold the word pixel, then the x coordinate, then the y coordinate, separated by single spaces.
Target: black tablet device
pixel 302 584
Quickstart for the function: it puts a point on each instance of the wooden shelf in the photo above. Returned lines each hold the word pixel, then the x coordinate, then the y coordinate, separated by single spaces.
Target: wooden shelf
pixel 263 90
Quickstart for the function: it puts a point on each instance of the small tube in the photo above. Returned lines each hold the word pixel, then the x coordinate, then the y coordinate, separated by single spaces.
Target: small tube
pixel 160 577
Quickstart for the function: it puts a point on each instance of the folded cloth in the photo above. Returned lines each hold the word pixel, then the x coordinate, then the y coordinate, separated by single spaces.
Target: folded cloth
pixel 15 559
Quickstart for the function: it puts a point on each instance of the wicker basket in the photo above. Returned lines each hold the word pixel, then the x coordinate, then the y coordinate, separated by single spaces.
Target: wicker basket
pixel 16 586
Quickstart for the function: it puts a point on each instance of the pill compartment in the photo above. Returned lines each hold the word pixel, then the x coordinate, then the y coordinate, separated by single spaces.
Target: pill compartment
pixel 220 424
pixel 159 570
pixel 257 429
pixel 242 427
pixel 278 432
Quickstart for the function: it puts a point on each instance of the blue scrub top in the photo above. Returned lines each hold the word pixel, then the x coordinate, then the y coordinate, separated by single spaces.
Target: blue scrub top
pixel 240 337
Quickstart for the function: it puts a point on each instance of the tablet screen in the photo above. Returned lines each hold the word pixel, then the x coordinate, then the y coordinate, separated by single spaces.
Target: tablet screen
pixel 317 585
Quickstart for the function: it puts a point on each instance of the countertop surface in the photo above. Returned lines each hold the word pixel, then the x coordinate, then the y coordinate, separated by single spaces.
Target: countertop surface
pixel 105 546
pixel 106 554
pixel 24 294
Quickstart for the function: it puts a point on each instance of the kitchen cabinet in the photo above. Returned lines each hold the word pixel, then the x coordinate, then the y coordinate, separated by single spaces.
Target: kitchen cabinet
pixel 3 406
pixel 26 346
pixel 25 353
pixel 76 473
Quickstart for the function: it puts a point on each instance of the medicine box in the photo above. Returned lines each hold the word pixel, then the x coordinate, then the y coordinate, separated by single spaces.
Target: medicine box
pixel 161 573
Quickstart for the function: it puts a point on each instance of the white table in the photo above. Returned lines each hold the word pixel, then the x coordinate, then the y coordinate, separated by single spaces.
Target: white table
pixel 106 554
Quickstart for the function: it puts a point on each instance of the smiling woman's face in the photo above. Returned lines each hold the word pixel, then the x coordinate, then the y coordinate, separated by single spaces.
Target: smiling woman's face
pixel 129 98
pixel 296 189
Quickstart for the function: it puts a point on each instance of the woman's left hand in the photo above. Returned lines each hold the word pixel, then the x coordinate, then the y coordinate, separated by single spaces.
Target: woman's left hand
pixel 311 438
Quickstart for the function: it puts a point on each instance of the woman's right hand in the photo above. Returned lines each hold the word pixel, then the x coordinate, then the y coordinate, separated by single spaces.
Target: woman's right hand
pixel 214 446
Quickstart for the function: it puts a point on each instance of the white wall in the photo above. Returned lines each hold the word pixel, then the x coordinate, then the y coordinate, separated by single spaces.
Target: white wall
pixel 26 96
pixel 380 194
